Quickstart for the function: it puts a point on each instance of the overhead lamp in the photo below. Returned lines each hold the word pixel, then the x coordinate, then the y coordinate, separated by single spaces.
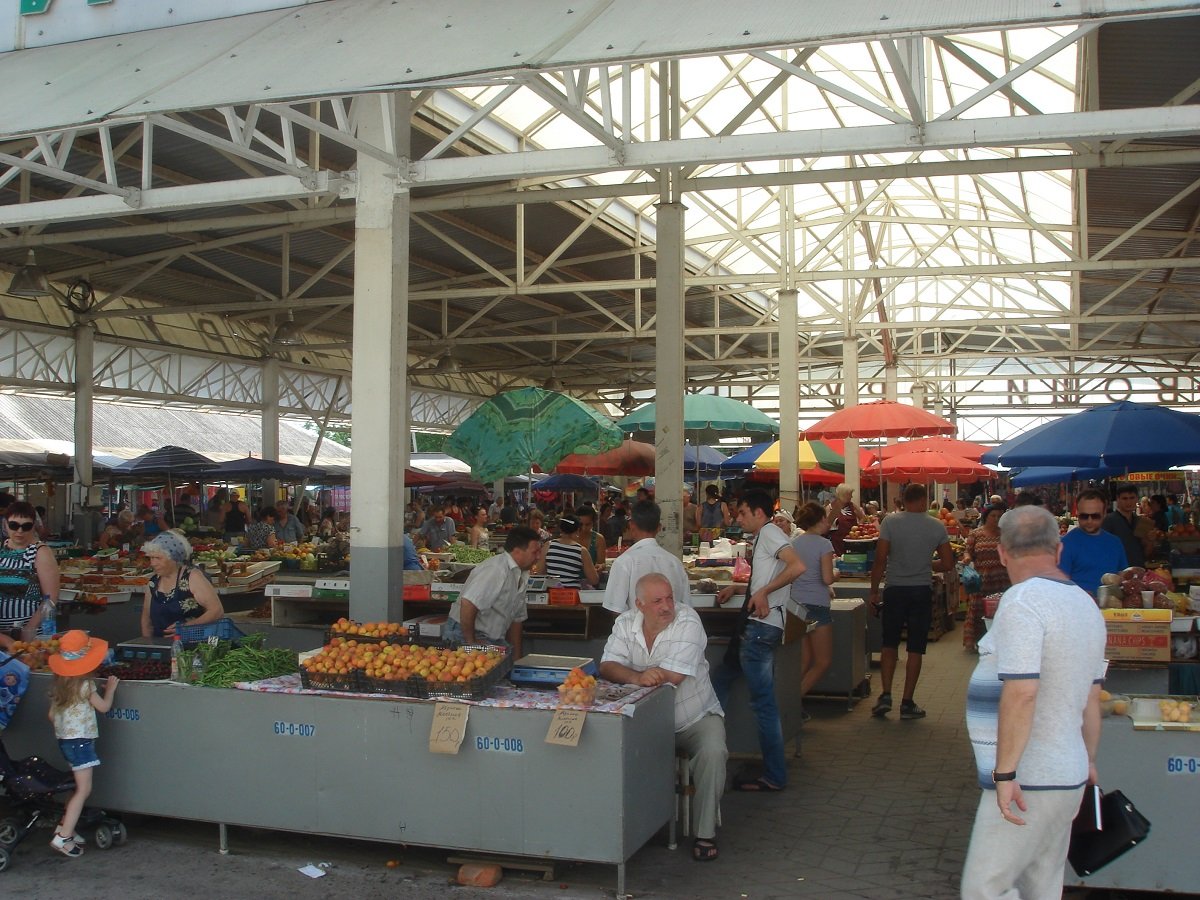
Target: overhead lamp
pixel 288 334
pixel 446 365
pixel 553 383
pixel 29 280
pixel 628 403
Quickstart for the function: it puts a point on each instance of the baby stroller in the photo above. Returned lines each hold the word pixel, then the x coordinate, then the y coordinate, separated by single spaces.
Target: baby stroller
pixel 28 786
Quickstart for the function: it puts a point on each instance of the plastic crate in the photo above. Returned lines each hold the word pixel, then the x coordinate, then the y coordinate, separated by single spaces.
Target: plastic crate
pixel 222 629
pixel 330 634
pixel 327 681
pixel 416 592
pixel 564 596
pixel 419 688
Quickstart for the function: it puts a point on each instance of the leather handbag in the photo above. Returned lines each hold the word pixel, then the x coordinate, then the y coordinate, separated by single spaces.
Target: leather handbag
pixel 1121 828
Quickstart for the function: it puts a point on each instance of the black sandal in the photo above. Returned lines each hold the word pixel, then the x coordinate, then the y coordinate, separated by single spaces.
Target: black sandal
pixel 704 850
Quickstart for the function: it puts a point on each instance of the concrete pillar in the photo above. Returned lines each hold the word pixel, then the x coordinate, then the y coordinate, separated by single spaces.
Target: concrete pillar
pixel 380 409
pixel 789 400
pixel 668 345
pixel 270 425
pixel 85 355
pixel 850 392
pixel 889 491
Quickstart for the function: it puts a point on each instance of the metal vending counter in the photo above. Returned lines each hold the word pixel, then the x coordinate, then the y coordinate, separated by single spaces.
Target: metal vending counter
pixel 1159 771
pixel 362 768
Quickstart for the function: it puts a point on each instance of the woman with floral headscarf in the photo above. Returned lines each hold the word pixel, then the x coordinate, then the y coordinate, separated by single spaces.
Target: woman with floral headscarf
pixel 177 593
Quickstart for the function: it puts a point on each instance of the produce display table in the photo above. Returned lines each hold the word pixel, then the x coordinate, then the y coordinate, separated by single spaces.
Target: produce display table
pixel 362 768
pixel 1160 772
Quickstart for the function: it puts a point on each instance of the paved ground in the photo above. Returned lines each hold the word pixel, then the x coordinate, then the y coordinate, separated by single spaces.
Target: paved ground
pixel 876 809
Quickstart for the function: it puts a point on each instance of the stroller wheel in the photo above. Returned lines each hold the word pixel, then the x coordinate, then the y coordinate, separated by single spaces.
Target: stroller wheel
pixel 103 837
pixel 10 832
pixel 3 859
pixel 120 834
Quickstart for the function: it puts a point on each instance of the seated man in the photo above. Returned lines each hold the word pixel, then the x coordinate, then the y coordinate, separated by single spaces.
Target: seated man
pixel 660 642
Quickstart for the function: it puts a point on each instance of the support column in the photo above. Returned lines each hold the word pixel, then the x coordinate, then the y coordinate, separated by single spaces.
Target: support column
pixel 84 521
pixel 887 490
pixel 789 400
pixel 850 392
pixel 270 426
pixel 380 409
pixel 668 346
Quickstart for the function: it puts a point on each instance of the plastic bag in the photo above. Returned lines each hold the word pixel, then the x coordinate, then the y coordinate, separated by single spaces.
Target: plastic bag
pixel 972 581
pixel 741 571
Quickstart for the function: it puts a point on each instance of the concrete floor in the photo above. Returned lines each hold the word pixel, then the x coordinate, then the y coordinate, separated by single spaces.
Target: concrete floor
pixel 876 809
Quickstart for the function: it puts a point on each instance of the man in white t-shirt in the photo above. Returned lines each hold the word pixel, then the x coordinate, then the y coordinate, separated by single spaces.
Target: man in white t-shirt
pixel 1033 716
pixel 773 567
pixel 645 555
pixel 663 642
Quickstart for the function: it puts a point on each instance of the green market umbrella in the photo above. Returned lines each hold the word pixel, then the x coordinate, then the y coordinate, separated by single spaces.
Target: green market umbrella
pixel 706 418
pixel 515 431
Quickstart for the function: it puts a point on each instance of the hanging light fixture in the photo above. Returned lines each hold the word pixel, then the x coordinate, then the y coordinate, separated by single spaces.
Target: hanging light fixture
pixel 446 365
pixel 29 280
pixel 553 383
pixel 288 333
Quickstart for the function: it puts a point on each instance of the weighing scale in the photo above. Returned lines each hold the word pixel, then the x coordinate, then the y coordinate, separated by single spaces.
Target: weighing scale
pixel 141 649
pixel 542 670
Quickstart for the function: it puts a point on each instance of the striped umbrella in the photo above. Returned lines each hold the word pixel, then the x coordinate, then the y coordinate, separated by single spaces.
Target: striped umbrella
pixel 813 455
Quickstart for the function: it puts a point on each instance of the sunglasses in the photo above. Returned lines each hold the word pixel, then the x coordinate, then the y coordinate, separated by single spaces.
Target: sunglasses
pixel 19 526
pixel 1083 516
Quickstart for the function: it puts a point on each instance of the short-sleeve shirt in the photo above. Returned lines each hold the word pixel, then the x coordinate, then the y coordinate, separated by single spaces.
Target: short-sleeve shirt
pixel 810 588
pixel 642 558
pixel 1052 631
pixel 766 565
pixel 437 536
pixel 1088 557
pixel 912 539
pixel 496 588
pixel 78 720
pixel 678 648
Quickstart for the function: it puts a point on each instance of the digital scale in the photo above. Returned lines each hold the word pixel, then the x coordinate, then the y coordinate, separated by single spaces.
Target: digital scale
pixel 156 649
pixel 542 670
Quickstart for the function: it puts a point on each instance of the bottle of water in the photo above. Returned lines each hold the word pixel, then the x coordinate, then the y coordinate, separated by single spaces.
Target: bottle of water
pixel 176 653
pixel 49 624
pixel 197 674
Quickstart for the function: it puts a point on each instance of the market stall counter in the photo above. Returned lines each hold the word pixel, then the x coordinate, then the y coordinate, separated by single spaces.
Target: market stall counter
pixel 362 767
pixel 1159 771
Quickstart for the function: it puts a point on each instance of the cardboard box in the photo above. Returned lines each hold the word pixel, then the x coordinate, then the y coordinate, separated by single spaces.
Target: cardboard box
pixel 1138 635
pixel 427 626
pixel 288 590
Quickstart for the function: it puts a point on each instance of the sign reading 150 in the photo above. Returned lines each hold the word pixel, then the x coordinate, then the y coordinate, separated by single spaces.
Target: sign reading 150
pixel 34 7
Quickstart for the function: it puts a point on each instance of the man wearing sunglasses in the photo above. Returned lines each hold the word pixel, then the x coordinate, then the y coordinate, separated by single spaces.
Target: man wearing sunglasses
pixel 1089 551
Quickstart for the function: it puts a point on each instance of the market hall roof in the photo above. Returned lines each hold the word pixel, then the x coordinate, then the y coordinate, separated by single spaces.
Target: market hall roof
pixel 185 274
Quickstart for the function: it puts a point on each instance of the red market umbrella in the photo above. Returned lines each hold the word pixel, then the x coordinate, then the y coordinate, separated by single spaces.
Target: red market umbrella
pixel 866 458
pixel 879 419
pixel 930 465
pixel 416 478
pixel 955 447
pixel 634 458
pixel 807 476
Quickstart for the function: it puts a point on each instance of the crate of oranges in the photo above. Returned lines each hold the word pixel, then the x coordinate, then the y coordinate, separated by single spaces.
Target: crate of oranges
pixel 336 667
pixel 368 632
pixel 466 672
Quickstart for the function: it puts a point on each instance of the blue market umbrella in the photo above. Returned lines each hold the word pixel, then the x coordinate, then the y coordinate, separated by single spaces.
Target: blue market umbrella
pixel 1058 474
pixel 168 460
pixel 704 461
pixel 744 459
pixel 1122 436
pixel 251 467
pixel 567 482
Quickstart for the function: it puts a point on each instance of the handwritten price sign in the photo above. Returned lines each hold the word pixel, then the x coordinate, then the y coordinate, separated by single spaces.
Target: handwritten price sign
pixel 565 727
pixel 449 727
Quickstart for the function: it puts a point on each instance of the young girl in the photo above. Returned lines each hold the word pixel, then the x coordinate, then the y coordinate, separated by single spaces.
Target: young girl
pixel 73 706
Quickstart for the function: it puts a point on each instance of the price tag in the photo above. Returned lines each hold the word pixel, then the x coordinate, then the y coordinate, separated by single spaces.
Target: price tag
pixel 449 727
pixel 565 727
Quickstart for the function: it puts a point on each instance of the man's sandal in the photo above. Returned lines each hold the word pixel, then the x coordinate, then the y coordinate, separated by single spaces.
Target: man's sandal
pixel 704 850
pixel 755 786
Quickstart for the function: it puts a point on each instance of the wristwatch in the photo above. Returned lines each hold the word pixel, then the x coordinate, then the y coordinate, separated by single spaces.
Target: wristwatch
pixel 997 777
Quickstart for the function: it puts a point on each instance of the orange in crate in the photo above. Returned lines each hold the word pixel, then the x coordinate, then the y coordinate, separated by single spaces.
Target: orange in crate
pixel 564 596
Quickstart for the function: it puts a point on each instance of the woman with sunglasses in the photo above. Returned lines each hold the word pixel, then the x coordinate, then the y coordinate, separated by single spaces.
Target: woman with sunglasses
pixel 28 572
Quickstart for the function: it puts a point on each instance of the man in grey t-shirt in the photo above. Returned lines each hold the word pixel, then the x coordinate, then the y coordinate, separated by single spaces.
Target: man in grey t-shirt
pixel 907 542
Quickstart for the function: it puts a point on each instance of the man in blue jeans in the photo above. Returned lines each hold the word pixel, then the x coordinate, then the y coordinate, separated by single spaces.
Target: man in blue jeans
pixel 907 542
pixel 773 567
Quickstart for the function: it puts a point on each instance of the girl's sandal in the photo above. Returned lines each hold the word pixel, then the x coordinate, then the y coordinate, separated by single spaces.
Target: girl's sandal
pixel 67 846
